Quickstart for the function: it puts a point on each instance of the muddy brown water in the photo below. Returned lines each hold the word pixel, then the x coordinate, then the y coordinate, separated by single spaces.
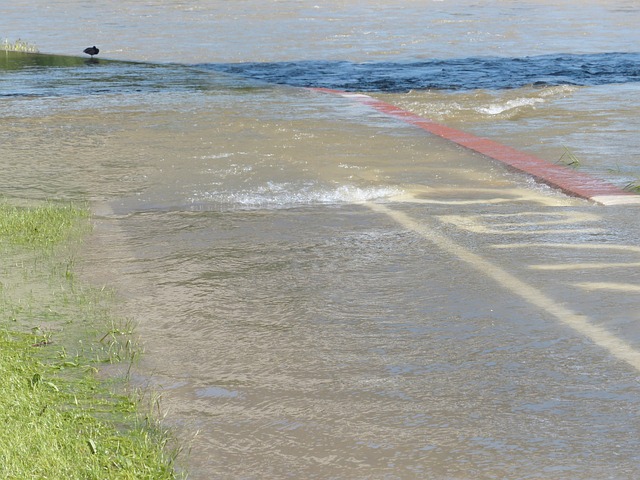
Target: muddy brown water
pixel 325 292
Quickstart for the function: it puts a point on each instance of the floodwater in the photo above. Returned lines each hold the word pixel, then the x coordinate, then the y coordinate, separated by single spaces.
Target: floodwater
pixel 323 291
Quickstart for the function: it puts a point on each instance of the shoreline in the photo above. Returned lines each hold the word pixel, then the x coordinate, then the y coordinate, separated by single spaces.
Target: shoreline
pixel 57 333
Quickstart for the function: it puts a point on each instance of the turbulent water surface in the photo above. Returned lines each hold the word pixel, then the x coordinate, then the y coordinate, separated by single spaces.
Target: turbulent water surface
pixel 324 291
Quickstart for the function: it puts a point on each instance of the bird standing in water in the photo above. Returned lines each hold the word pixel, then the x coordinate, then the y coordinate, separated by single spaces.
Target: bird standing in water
pixel 92 51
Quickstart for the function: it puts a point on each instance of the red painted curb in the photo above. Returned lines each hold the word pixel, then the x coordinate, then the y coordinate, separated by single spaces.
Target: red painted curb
pixel 568 180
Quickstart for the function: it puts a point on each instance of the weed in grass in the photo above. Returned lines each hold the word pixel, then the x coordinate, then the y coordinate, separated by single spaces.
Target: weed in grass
pixel 615 169
pixel 18 46
pixel 633 186
pixel 569 159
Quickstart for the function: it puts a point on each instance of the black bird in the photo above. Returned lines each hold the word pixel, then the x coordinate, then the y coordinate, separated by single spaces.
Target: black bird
pixel 92 51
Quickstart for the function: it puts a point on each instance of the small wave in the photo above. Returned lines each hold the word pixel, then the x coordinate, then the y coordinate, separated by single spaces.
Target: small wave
pixel 289 195
pixel 498 108
pixel 557 90
pixel 445 74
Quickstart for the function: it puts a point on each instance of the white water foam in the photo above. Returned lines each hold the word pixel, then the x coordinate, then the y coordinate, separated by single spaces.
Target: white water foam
pixel 498 108
pixel 289 195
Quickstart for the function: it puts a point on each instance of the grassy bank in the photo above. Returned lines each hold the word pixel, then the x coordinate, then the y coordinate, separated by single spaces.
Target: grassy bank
pixel 59 419
pixel 17 46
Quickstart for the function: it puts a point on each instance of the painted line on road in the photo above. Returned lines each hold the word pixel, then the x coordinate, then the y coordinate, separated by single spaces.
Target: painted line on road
pixel 579 323
pixel 575 246
pixel 583 266
pixel 609 286
pixel 568 180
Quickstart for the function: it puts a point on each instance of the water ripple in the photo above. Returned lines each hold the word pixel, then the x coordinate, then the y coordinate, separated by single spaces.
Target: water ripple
pixel 451 74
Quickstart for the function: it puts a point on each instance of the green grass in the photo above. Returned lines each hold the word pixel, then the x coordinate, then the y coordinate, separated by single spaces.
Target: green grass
pixel 633 186
pixel 46 225
pixel 58 418
pixel 51 425
pixel 569 159
pixel 18 46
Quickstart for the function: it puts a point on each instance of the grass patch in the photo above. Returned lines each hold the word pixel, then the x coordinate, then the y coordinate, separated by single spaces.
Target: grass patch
pixel 633 186
pixel 18 46
pixel 58 418
pixel 51 425
pixel 569 159
pixel 44 226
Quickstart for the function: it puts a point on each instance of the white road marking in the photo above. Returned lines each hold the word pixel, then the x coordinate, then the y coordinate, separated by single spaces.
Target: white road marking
pixel 580 323
pixel 576 246
pixel 584 266
pixel 617 199
pixel 439 195
pixel 524 223
pixel 610 286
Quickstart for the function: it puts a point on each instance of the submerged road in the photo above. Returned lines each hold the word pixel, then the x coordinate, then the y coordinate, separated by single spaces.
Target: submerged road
pixel 471 324
pixel 568 180
pixel 494 337
pixel 508 224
